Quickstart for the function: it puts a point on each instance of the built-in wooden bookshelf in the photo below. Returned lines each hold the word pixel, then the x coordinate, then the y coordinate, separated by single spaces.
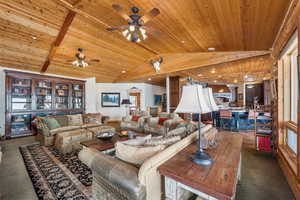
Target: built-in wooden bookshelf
pixel 30 95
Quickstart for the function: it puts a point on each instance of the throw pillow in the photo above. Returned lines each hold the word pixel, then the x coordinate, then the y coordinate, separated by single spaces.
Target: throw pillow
pixel 162 120
pixel 181 131
pixel 135 154
pixel 139 141
pixel 135 118
pixel 62 120
pixel 51 123
pixel 75 120
pixel 163 141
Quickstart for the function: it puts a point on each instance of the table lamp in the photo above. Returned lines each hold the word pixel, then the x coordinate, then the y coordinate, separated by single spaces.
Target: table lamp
pixel 193 101
pixel 208 94
pixel 126 102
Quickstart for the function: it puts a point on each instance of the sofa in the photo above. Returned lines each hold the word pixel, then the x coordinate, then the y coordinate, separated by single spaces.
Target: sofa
pixel 135 122
pixel 162 124
pixel 114 179
pixel 51 126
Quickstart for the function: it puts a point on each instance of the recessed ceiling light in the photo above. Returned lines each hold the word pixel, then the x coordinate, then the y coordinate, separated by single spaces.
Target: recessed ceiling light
pixel 265 78
pixel 235 81
pixel 211 49
pixel 215 81
pixel 182 41
pixel 123 71
pixel 213 71
pixel 246 76
pixel 219 76
pixel 34 37
pixel 149 79
pixel 199 74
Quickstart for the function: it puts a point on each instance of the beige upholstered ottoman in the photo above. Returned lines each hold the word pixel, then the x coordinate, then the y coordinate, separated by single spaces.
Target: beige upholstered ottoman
pixel 67 142
pixel 101 129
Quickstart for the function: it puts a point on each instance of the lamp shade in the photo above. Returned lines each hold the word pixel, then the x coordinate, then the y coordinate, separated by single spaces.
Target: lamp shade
pixel 214 106
pixel 125 101
pixel 210 99
pixel 192 100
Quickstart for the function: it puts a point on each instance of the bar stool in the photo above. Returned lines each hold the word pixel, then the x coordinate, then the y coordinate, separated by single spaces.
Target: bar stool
pixel 251 117
pixel 226 115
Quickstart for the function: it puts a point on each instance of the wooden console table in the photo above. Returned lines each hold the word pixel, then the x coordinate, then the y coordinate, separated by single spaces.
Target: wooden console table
pixel 217 181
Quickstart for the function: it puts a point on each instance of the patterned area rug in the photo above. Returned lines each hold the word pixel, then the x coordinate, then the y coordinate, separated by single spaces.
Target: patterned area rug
pixel 56 176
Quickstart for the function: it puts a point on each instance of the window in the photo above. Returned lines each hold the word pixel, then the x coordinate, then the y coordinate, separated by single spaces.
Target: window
pixel 292 140
pixel 294 88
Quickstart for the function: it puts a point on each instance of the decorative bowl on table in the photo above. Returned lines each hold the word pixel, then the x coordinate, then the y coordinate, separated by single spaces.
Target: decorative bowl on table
pixel 106 135
pixel 123 133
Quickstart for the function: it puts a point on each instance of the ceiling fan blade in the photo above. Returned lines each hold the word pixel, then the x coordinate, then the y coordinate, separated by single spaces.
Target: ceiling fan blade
pixel 152 31
pixel 149 15
pixel 117 28
pixel 121 11
pixel 94 60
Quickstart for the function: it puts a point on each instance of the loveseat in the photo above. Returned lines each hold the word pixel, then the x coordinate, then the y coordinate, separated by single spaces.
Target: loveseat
pixel 162 124
pixel 135 122
pixel 114 179
pixel 51 126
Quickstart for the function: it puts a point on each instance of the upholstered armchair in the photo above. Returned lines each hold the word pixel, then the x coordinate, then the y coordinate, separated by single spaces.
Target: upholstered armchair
pixel 135 121
pixel 162 124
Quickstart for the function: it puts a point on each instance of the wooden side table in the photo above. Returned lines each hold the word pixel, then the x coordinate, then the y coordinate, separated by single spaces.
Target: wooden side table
pixel 217 181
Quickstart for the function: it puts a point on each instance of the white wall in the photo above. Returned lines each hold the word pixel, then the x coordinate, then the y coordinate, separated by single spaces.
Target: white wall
pixel 90 95
pixel 2 102
pixel 116 113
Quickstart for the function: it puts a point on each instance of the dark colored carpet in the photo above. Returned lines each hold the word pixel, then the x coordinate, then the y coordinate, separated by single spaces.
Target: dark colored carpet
pixel 56 176
pixel 262 178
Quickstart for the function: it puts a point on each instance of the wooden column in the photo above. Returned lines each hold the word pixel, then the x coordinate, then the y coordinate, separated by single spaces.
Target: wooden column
pixel 168 93
pixel 174 92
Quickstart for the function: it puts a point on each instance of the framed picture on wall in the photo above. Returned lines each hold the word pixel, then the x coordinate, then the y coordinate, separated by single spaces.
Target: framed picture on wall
pixel 110 99
pixel 157 99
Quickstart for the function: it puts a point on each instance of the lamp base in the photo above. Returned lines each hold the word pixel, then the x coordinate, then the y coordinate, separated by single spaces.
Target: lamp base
pixel 201 158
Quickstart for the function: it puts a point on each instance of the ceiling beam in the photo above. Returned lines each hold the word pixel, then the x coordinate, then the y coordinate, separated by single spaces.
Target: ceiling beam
pixel 64 29
pixel 95 19
pixel 187 61
pixel 288 27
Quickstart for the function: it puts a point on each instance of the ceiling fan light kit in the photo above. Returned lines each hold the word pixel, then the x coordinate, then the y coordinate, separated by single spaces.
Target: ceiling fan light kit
pixel 80 59
pixel 135 31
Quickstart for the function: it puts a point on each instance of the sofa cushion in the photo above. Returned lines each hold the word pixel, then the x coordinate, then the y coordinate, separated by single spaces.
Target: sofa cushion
pixel 181 131
pixel 51 123
pixel 92 118
pixel 135 118
pixel 62 120
pixel 75 120
pixel 136 154
pixel 63 129
pixel 162 120
pixel 163 141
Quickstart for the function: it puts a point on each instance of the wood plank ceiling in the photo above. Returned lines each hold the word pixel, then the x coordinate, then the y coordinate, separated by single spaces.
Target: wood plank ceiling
pixel 28 29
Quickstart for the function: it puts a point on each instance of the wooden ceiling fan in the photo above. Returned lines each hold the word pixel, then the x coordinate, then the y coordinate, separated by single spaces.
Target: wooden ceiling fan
pixel 136 30
pixel 81 59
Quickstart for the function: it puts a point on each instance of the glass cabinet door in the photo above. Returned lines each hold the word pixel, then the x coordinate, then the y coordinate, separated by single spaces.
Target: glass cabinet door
pixel 77 96
pixel 21 98
pixel 43 91
pixel 20 123
pixel 62 96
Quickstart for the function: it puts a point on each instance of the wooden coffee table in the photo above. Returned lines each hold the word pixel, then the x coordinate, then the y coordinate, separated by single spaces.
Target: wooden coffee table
pixel 104 145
